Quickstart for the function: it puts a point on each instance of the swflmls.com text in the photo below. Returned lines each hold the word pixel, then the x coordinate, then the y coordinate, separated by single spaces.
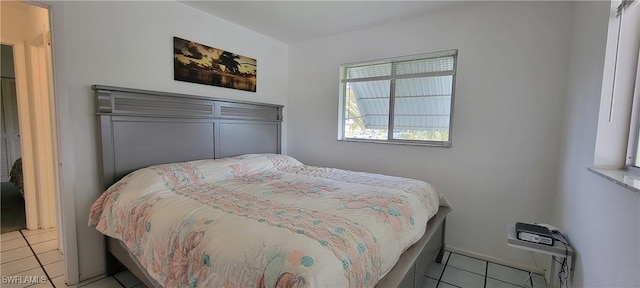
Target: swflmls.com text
pixel 24 279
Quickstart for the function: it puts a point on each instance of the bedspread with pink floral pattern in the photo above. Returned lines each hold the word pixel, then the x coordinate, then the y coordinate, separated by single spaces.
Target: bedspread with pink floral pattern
pixel 264 220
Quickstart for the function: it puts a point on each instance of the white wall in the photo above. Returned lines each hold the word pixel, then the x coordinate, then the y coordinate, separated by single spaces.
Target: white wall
pixel 600 218
pixel 508 107
pixel 130 44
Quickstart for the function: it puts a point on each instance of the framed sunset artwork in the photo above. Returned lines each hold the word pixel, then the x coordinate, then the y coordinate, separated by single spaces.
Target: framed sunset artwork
pixel 197 63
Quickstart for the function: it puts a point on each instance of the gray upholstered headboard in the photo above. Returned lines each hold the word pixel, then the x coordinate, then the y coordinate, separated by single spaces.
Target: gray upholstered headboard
pixel 141 128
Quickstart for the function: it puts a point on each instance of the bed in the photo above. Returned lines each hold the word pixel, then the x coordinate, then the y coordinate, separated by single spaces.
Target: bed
pixel 194 184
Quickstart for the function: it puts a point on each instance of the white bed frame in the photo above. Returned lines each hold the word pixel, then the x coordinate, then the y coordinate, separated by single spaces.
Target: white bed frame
pixel 140 128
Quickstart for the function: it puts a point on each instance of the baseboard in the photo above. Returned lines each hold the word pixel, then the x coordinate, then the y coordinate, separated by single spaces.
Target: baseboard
pixel 494 259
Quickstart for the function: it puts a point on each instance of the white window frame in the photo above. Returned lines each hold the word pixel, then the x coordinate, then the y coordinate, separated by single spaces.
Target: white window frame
pixel 632 162
pixel 393 77
pixel 633 146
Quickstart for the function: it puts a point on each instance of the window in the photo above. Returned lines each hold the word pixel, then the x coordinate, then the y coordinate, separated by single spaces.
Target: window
pixel 617 132
pixel 418 90
pixel 626 76
pixel 618 116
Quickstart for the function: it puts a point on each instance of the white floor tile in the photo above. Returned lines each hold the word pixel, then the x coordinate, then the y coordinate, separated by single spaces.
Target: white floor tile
pixel 55 269
pixel 12 244
pixel 445 257
pixel 10 236
pixel 15 254
pixel 108 282
pixel 46 236
pixel 538 281
pixel 35 272
pixel 20 265
pixel 45 246
pixel 461 278
pixel 492 283
pixel 91 280
pixel 34 275
pixel 43 285
pixel 127 279
pixel 435 270
pixel 507 274
pixel 431 283
pixel 447 285
pixel 50 257
pixel 467 263
pixel 60 282
pixel 28 233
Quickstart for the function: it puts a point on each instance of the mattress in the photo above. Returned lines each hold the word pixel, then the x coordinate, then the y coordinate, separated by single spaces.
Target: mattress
pixel 264 220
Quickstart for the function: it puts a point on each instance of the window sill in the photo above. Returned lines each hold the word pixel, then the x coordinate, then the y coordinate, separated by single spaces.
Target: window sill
pixel 622 177
pixel 446 144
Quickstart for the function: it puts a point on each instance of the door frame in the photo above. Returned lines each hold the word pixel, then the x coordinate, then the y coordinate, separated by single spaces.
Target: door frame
pixel 65 168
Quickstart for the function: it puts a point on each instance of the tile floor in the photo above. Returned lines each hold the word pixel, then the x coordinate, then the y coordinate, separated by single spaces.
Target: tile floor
pixel 35 253
pixel 458 270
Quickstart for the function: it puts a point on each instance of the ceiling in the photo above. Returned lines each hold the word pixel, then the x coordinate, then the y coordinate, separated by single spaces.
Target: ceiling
pixel 296 21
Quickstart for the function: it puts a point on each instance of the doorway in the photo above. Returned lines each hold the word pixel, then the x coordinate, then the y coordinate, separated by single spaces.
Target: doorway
pixel 12 212
pixel 29 152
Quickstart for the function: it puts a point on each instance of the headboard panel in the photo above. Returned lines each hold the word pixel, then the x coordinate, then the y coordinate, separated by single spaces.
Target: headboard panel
pixel 141 128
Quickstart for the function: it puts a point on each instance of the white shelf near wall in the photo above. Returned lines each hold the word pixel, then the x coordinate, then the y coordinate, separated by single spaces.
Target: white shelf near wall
pixel 559 251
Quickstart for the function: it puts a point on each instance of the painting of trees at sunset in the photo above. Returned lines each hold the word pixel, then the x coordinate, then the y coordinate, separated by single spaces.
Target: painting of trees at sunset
pixel 197 63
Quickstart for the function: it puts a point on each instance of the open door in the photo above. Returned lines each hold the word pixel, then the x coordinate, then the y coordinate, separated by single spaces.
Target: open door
pixel 42 128
pixel 12 210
